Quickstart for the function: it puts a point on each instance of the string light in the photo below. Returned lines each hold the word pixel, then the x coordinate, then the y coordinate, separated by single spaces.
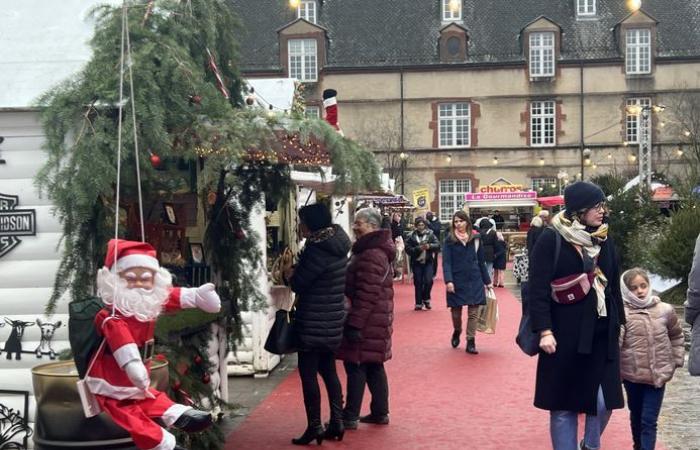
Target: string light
pixel 594 166
pixel 609 155
pixel 634 5
pixel 625 143
pixel 679 152
pixel 687 133
pixel 632 157
pixel 662 124
pixel 495 160
pixel 294 3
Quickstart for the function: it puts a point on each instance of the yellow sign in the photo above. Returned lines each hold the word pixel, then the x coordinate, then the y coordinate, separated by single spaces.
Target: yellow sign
pixel 421 200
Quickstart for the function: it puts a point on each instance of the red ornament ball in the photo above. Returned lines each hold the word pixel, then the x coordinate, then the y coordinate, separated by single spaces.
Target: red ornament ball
pixel 240 234
pixel 196 99
pixel 198 359
pixel 177 385
pixel 206 378
pixel 155 160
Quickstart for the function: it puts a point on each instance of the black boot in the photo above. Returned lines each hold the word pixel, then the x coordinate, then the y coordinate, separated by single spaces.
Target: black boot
pixel 313 431
pixel 455 338
pixel 335 430
pixel 471 347
pixel 193 421
pixel 427 305
pixel 375 419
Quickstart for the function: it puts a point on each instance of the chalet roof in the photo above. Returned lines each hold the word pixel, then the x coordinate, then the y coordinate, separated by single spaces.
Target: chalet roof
pixel 405 32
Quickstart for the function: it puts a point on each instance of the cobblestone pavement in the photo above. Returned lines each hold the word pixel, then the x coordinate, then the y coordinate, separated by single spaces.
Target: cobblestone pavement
pixel 679 424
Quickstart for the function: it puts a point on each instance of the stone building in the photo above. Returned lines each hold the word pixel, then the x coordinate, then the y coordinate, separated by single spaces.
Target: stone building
pixel 481 91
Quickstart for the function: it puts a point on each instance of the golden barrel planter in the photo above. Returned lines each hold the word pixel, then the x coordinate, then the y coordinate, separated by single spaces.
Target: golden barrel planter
pixel 60 422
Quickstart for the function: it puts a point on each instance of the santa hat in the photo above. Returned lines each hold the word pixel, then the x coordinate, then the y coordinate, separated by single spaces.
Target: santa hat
pixel 130 254
pixel 330 106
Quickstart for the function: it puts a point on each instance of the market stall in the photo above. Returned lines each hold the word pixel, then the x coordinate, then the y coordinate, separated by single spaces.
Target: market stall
pixel 513 204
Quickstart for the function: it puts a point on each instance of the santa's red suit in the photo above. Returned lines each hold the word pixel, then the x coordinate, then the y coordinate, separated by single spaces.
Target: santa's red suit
pixel 128 342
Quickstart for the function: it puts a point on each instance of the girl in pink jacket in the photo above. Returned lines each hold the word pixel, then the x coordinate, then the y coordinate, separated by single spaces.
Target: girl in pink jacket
pixel 651 350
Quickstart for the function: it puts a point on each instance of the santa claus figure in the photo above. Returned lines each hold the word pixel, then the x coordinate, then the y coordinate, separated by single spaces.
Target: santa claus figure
pixel 136 290
pixel 330 109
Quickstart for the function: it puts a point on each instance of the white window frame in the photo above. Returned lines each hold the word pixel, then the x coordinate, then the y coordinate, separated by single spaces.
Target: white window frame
pixel 538 182
pixel 451 196
pixel 637 51
pixel 633 120
pixel 585 8
pixel 303 59
pixel 312 112
pixel 448 15
pixel 542 54
pixel 454 125
pixel 543 123
pixel 307 10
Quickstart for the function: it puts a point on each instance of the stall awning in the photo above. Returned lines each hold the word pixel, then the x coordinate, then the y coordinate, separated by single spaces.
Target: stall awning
pixel 555 200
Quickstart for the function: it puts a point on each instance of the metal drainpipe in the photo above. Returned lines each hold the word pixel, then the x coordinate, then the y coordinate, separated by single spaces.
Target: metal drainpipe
pixel 403 161
pixel 581 144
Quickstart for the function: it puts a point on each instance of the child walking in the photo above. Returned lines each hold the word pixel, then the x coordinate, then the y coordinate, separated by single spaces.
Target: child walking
pixel 651 350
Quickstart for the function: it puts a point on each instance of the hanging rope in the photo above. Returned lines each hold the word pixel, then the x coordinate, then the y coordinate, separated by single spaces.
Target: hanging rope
pixel 133 118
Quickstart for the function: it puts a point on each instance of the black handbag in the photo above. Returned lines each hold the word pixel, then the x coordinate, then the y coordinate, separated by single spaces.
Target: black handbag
pixel 528 340
pixel 282 339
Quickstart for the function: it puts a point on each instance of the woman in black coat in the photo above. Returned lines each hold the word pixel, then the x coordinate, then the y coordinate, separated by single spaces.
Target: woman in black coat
pixel 319 282
pixel 578 368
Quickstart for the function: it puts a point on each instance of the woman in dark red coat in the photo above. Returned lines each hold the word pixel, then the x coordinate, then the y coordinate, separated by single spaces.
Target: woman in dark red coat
pixel 367 335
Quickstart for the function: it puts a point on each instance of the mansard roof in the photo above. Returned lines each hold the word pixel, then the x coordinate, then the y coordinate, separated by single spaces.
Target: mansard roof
pixel 386 33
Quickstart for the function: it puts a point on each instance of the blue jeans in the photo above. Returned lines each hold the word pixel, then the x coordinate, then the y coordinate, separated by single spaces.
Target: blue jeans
pixel 644 402
pixel 563 427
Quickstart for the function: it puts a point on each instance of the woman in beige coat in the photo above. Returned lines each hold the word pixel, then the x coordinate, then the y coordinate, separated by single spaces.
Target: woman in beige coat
pixel 651 349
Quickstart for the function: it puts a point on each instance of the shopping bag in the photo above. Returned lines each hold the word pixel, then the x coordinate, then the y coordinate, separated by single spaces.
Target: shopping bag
pixel 282 338
pixel 488 314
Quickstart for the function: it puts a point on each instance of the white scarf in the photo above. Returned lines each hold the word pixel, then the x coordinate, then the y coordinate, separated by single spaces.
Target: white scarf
pixel 632 300
pixel 575 233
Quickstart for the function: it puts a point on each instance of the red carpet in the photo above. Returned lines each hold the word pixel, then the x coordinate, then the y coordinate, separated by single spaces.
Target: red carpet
pixel 440 397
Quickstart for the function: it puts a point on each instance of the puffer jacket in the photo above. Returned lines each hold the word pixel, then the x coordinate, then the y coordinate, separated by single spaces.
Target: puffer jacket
pixel 319 282
pixel 370 289
pixel 651 344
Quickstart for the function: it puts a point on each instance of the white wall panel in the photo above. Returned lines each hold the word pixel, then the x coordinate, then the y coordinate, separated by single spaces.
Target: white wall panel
pixel 28 274
pixel 25 189
pixel 27 301
pixel 32 248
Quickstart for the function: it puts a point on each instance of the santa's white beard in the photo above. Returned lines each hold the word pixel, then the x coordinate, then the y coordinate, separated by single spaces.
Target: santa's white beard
pixel 143 304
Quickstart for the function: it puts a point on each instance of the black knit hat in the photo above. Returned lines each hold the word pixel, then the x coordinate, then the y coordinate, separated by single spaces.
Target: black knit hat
pixel 582 195
pixel 316 216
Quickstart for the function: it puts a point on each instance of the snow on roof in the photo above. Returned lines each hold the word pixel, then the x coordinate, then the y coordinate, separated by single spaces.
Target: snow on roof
pixel 41 44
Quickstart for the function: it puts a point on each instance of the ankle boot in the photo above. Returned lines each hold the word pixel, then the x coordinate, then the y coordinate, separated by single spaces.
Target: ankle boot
pixel 471 347
pixel 313 431
pixel 193 420
pixel 455 338
pixel 335 430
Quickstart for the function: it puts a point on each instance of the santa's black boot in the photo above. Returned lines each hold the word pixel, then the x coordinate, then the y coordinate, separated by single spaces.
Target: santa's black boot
pixel 193 420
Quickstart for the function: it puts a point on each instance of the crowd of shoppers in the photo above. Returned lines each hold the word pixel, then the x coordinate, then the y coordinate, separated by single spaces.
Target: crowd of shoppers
pixel 599 331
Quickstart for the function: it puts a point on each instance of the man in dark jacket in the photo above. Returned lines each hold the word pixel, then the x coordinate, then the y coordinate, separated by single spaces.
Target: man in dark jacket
pixel 436 227
pixel 319 282
pixel 367 338
pixel 422 246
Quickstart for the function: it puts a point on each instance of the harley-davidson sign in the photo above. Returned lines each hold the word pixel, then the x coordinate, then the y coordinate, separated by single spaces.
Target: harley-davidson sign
pixel 14 223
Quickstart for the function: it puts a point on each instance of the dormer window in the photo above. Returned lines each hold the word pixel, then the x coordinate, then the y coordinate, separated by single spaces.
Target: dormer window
pixel 637 51
pixel 451 10
pixel 585 8
pixel 307 10
pixel 542 54
pixel 303 59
